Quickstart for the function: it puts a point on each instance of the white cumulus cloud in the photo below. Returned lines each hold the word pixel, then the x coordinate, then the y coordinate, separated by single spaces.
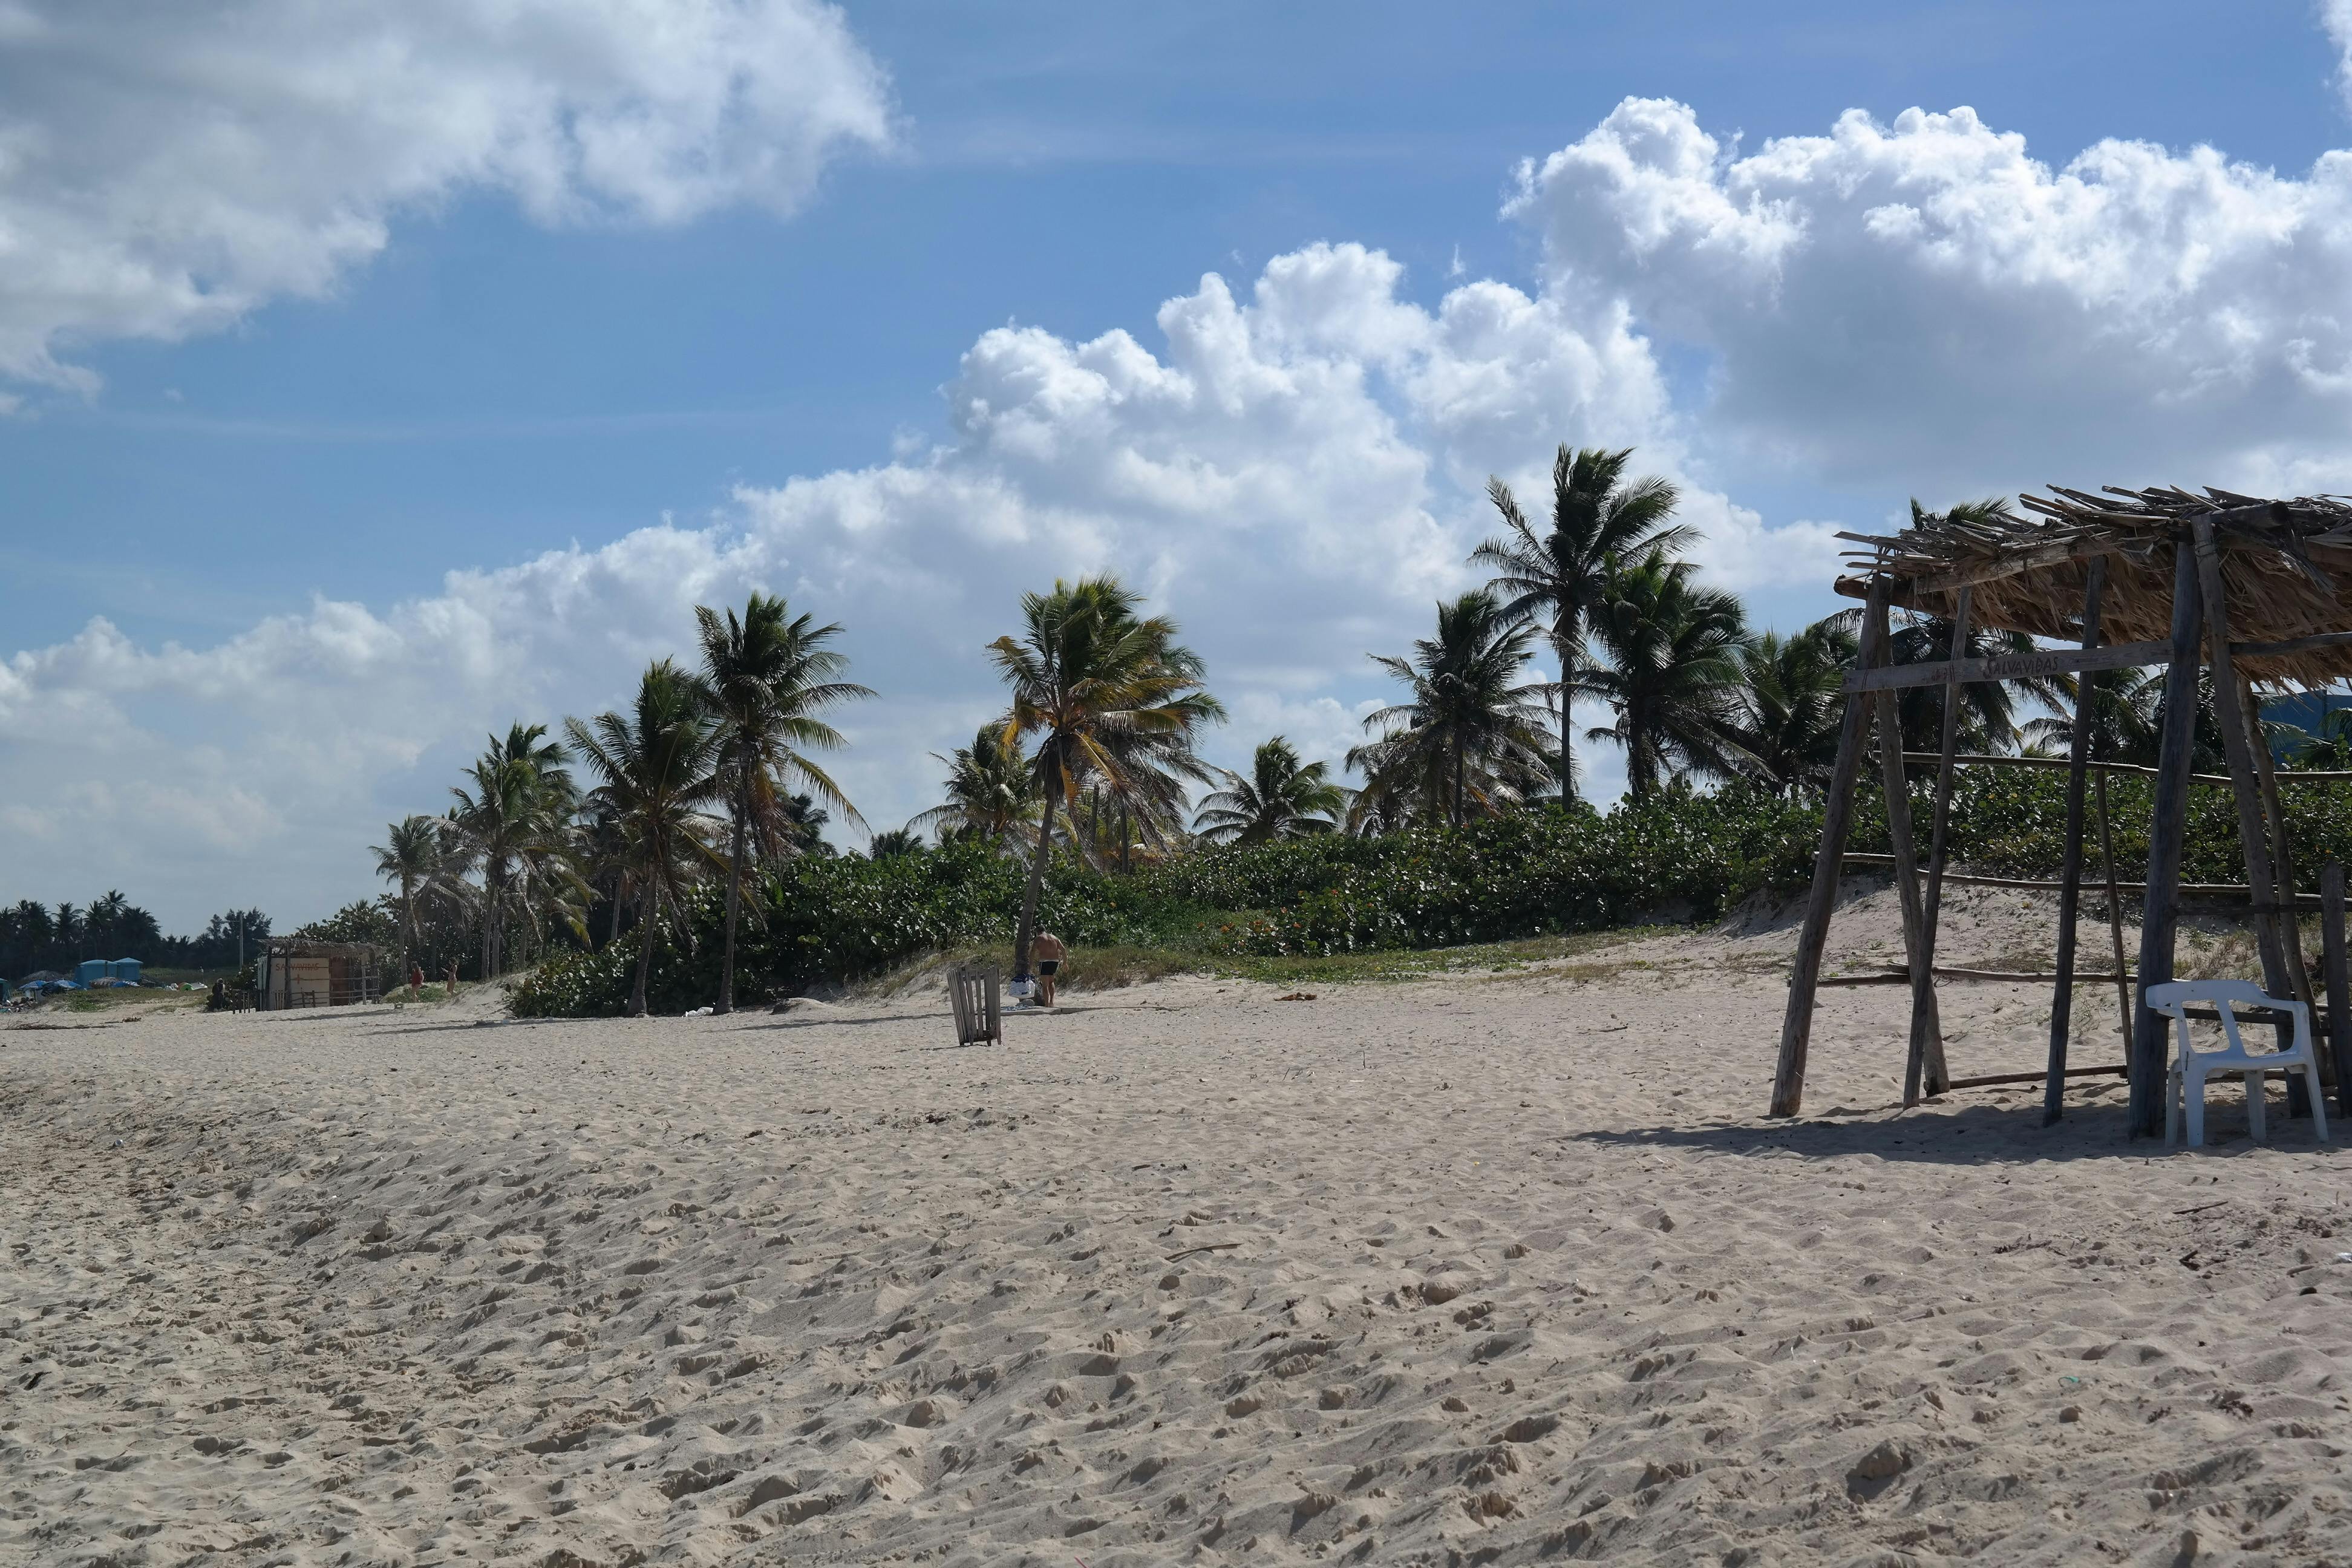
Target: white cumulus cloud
pixel 1923 304
pixel 168 166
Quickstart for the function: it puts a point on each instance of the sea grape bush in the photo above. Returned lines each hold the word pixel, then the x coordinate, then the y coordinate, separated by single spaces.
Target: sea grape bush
pixel 1680 857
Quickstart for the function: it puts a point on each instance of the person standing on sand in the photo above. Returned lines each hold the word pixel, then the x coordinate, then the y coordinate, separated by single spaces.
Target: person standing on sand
pixel 415 979
pixel 1048 951
pixel 451 990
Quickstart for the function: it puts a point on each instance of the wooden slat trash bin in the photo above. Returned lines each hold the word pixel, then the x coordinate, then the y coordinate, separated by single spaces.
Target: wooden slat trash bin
pixel 979 1005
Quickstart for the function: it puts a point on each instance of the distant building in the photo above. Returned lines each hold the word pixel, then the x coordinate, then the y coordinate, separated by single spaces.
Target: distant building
pixel 295 972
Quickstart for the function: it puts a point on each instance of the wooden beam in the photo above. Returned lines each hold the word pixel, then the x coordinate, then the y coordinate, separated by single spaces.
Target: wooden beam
pixel 2339 981
pixel 1924 1057
pixel 1837 813
pixel 1949 972
pixel 2007 666
pixel 1989 1080
pixel 2291 776
pixel 2115 915
pixel 2070 870
pixel 2010 564
pixel 2245 788
pixel 1924 1019
pixel 2298 1093
pixel 2160 917
pixel 2310 643
pixel 2197 892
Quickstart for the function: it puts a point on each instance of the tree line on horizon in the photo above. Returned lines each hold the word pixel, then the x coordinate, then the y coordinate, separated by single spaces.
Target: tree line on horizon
pixel 708 775
pixel 40 939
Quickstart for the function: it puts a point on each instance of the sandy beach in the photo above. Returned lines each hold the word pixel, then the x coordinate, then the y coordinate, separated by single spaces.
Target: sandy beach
pixel 1501 1268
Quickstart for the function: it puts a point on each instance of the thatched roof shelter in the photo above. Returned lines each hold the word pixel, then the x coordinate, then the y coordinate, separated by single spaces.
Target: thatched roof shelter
pixel 2251 590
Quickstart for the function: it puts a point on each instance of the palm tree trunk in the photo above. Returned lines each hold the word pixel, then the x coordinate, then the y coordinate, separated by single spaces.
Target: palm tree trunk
pixel 645 960
pixel 1459 768
pixel 1028 926
pixel 1566 630
pixel 734 895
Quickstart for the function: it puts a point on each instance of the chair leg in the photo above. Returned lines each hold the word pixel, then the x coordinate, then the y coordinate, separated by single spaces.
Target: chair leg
pixel 2257 1106
pixel 2172 1106
pixel 2192 1097
pixel 2318 1110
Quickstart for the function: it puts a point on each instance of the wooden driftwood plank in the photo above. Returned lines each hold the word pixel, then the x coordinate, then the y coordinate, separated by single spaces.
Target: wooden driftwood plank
pixel 1924 1019
pixel 1923 1062
pixel 2229 714
pixel 1837 813
pixel 2007 666
pixel 1989 1080
pixel 1972 759
pixel 2070 869
pixel 2160 916
pixel 2339 981
pixel 2115 915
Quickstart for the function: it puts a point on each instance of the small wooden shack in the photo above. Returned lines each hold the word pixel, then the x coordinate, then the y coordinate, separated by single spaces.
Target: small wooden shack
pixel 2257 592
pixel 296 973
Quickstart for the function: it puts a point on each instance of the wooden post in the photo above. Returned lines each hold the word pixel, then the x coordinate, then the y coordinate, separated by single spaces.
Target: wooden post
pixel 2114 916
pixel 1837 812
pixel 2160 919
pixel 1925 1021
pixel 2339 981
pixel 2298 974
pixel 2245 787
pixel 1926 1056
pixel 2069 865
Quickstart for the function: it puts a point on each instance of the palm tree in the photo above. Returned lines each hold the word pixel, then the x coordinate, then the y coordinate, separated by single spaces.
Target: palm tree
pixel 1111 696
pixel 411 857
pixel 892 843
pixel 2326 745
pixel 1468 736
pixel 1792 700
pixel 1559 573
pixel 657 767
pixel 513 823
pixel 989 792
pixel 2126 717
pixel 1673 677
pixel 765 679
pixel 1988 708
pixel 1282 798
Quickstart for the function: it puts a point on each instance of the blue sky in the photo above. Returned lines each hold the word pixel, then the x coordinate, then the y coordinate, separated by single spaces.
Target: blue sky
pixel 514 363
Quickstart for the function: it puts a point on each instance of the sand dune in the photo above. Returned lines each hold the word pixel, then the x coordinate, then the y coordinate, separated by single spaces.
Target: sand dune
pixel 1504 1270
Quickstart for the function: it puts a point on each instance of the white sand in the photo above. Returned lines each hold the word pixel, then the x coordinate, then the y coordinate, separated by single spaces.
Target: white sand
pixel 1498 1270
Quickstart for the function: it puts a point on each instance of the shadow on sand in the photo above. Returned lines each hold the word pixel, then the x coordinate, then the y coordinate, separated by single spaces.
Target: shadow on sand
pixel 1946 1135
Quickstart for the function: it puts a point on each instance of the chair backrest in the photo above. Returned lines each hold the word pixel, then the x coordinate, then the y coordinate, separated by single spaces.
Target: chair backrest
pixel 979 1017
pixel 2173 998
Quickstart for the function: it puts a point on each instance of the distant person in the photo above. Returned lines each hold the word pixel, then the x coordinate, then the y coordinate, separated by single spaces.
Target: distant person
pixel 451 989
pixel 1049 952
pixel 415 979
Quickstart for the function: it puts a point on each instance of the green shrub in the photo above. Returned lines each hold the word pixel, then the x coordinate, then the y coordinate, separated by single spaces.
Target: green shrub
pixel 1533 873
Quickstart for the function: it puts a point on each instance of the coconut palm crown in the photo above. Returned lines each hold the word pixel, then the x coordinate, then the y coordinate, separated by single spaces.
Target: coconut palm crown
pixel 657 767
pixel 1281 798
pixel 1469 740
pixel 767 677
pixel 1112 697
pixel 1557 572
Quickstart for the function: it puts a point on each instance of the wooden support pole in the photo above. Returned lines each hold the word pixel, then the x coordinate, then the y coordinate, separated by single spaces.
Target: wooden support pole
pixel 2298 975
pixel 1924 1063
pixel 2115 915
pixel 1837 814
pixel 2295 776
pixel 2070 866
pixel 2229 712
pixel 2006 667
pixel 1925 1021
pixel 2339 981
pixel 2160 918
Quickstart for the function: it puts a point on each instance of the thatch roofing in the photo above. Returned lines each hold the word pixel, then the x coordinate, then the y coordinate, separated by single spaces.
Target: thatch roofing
pixel 2286 570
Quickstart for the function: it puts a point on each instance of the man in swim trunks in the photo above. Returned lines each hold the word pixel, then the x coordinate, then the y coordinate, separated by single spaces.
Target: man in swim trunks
pixel 1049 952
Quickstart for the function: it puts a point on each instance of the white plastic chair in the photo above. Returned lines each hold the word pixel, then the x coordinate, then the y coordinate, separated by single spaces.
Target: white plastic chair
pixel 2184 1085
